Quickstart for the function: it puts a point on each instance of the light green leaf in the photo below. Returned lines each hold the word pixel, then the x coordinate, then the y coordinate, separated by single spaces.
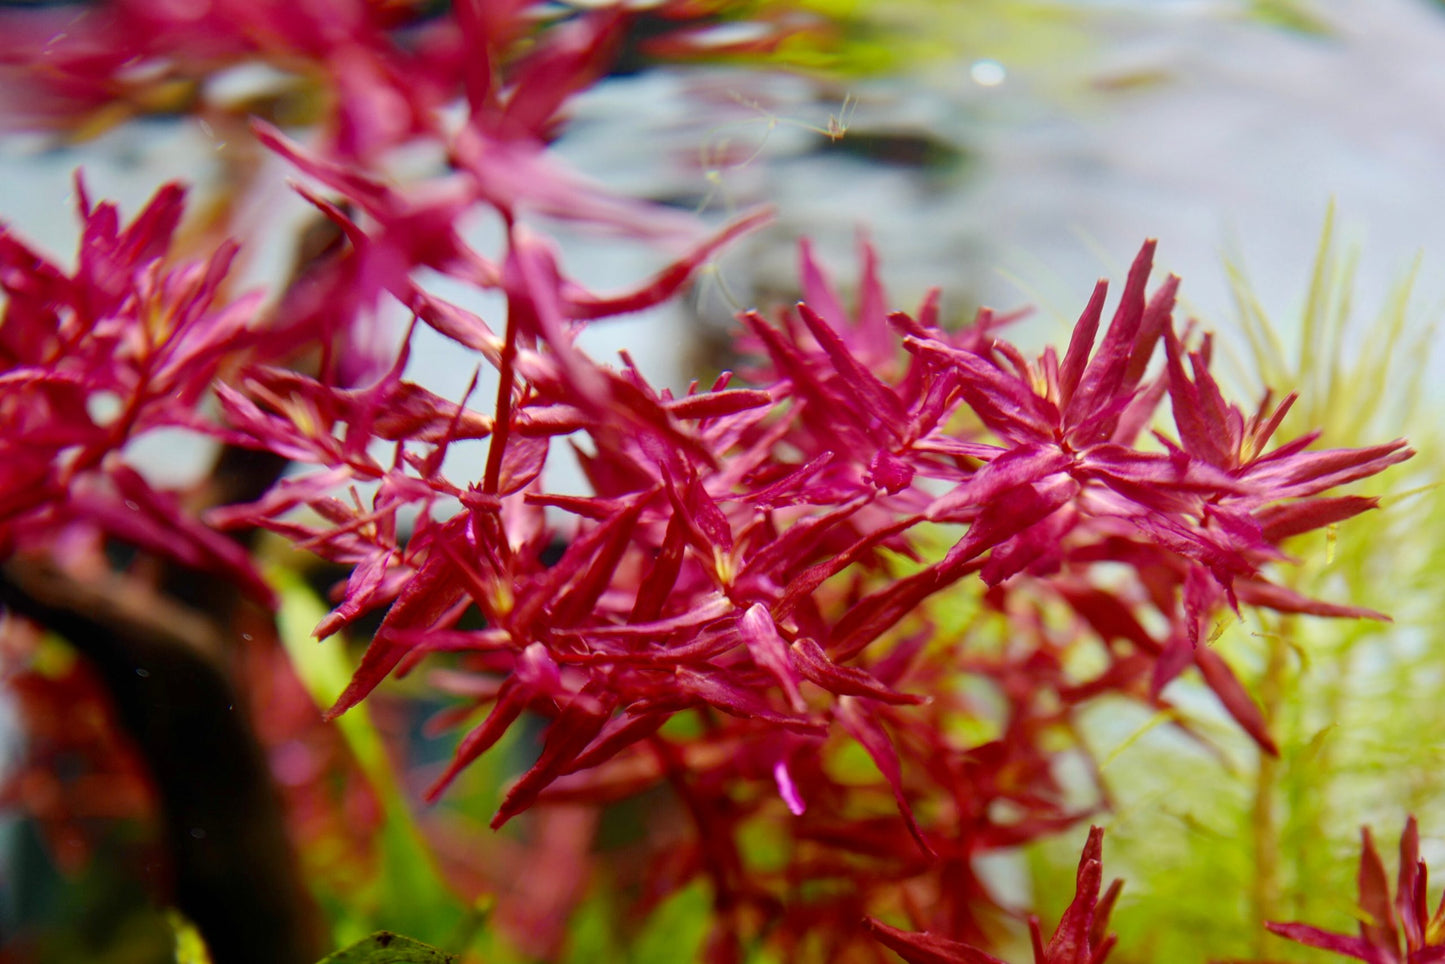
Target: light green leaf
pixel 384 947
pixel 409 893
pixel 190 946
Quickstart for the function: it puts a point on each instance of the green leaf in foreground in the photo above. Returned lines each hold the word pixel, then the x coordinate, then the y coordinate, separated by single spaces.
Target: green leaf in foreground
pixel 384 947
pixel 190 945
pixel 408 893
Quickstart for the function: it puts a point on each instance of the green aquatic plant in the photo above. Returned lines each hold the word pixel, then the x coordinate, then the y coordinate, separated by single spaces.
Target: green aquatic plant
pixel 1347 702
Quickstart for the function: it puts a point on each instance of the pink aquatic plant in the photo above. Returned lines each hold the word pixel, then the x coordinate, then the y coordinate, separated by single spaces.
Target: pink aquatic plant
pixel 734 607
pixel 124 345
pixel 745 607
pixel 1080 938
pixel 732 559
pixel 1385 921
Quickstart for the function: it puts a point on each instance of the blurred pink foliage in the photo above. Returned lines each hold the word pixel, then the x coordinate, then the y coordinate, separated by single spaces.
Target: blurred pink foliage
pixel 1081 937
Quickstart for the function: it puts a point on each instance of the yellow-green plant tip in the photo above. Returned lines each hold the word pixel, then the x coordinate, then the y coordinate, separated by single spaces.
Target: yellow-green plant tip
pixel 384 947
pixel 190 946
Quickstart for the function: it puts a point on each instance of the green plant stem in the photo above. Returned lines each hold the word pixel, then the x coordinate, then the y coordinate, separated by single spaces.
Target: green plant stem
pixel 1264 816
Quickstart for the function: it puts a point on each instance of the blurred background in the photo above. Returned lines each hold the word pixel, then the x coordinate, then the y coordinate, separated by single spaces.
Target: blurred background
pixel 1010 153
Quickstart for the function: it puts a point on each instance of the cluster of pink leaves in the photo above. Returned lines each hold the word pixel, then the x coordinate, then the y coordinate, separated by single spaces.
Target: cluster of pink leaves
pixel 731 551
pixel 382 69
pixel 753 560
pixel 732 560
pixel 133 339
pixel 67 63
pixel 1384 921
pixel 1082 938
pixel 93 358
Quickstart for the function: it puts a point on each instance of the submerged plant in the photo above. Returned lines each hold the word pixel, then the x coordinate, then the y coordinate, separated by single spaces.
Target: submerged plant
pixel 1385 920
pixel 1080 938
pixel 834 623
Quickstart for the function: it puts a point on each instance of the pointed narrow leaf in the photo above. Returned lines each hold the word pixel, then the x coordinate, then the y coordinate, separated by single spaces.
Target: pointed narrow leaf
pixel 859 722
pixel 925 948
pixel 1221 679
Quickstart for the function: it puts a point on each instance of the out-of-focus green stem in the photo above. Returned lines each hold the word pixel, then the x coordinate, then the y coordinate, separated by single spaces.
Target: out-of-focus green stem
pixel 1265 894
pixel 1309 801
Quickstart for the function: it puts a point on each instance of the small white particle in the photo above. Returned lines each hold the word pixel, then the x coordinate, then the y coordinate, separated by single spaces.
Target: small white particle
pixel 987 73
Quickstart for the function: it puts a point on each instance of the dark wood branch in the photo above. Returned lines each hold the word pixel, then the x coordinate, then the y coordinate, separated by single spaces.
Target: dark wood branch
pixel 232 871
pixel 162 644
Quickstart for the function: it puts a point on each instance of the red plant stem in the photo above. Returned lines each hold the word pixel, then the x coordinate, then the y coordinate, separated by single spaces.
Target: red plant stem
pixel 502 422
pixel 719 860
